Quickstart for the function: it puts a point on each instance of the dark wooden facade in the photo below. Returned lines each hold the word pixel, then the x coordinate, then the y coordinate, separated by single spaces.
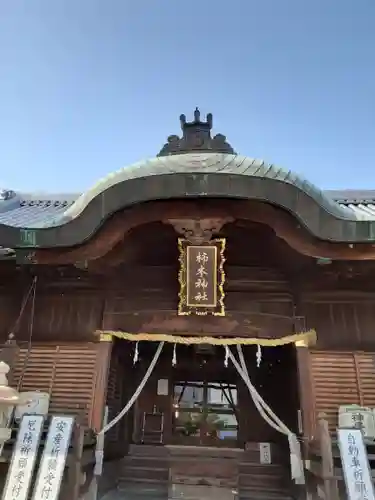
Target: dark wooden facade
pixel 271 291
pixel 123 277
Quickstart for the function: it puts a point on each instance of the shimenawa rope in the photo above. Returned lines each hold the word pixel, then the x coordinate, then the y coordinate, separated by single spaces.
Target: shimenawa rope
pixel 272 419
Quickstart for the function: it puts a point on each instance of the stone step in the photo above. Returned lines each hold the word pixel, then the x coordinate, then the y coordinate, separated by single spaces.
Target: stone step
pixel 112 495
pixel 148 473
pixel 249 468
pixel 135 488
pixel 148 450
pixel 153 482
pixel 211 471
pixel 134 494
pixel 201 458
pixel 147 462
pixel 261 480
pixel 263 495
pixel 202 452
pixel 140 495
pixel 201 492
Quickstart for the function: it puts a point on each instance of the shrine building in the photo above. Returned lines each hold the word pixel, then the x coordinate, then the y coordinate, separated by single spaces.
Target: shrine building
pixel 179 285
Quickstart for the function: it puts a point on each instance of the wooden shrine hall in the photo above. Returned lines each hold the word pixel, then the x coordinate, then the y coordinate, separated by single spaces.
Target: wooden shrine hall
pixel 219 302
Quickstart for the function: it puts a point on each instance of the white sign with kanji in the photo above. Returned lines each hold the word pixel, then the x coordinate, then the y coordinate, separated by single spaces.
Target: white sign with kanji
pixel 355 465
pixel 265 453
pixel 24 457
pixel 52 465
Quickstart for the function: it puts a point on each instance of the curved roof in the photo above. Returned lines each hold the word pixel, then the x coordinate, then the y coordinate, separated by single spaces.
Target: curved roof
pixel 228 165
pixel 39 221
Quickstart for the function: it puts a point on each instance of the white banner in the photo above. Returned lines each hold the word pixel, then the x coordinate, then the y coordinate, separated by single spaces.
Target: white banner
pixel 52 465
pixel 355 465
pixel 24 457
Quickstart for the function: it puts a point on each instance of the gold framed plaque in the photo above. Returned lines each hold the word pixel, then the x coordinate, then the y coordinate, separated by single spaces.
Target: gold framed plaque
pixel 201 278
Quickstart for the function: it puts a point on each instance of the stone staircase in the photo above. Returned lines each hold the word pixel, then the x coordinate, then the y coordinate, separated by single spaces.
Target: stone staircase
pixel 263 481
pixel 145 473
pixel 199 473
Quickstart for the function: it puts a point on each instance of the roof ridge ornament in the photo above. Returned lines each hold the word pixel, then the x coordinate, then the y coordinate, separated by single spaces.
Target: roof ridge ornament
pixel 196 136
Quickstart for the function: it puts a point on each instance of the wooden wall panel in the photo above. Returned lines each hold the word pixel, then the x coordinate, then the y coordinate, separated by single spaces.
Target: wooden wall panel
pixel 366 368
pixel 258 301
pixel 161 277
pixel 68 373
pixel 234 301
pixel 341 378
pixel 247 314
pixel 334 382
pixel 64 316
pixel 342 323
pixel 10 306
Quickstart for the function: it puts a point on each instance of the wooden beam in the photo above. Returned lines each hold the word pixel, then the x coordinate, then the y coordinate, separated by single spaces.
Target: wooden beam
pixel 284 225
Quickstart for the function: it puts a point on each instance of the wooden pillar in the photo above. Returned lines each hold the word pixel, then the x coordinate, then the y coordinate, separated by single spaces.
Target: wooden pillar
pixel 331 490
pixel 75 470
pixel 306 392
pixel 100 395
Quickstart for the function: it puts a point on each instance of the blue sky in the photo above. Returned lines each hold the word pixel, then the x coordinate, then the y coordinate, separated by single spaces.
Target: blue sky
pixel 90 86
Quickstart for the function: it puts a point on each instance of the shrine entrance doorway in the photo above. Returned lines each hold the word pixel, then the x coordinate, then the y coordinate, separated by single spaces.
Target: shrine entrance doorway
pixel 211 406
pixel 205 413
pixel 204 398
pixel 200 399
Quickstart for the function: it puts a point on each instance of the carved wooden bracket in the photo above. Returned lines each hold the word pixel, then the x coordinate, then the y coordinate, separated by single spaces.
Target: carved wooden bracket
pixel 198 231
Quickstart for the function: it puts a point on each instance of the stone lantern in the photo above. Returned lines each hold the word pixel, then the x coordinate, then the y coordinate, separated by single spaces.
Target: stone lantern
pixel 9 398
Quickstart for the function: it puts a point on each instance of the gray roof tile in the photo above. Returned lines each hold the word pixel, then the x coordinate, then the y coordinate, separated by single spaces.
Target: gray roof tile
pixel 34 210
pixel 39 210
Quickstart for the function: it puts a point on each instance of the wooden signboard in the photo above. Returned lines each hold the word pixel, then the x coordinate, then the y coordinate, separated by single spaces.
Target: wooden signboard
pixel 355 465
pixel 201 278
pixel 52 465
pixel 23 461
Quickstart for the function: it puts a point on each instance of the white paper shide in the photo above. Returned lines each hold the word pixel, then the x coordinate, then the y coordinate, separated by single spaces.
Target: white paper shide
pixel 355 465
pixel 24 458
pixel 52 465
